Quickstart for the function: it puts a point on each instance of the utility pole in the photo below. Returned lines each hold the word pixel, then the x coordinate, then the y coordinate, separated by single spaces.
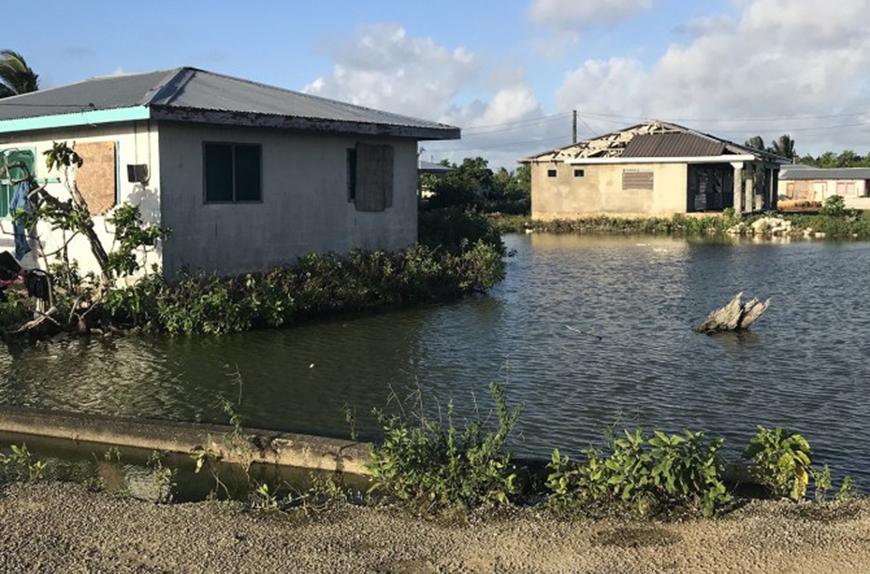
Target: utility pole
pixel 574 128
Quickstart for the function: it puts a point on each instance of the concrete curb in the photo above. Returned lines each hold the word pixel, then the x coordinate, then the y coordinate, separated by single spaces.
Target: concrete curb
pixel 255 446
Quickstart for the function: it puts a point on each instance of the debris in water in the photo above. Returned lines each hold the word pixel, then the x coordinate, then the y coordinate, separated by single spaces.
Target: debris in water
pixel 735 316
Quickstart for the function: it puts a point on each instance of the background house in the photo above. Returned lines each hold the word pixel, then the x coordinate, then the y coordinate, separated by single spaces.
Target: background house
pixel 653 168
pixel 806 184
pixel 247 176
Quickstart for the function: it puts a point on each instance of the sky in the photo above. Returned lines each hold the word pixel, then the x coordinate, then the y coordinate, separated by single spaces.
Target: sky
pixel 508 72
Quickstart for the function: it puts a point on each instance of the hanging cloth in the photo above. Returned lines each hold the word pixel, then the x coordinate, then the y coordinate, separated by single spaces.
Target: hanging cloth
pixel 19 201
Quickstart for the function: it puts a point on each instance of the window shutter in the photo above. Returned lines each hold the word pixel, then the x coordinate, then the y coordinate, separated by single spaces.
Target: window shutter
pixel 637 180
pixel 374 177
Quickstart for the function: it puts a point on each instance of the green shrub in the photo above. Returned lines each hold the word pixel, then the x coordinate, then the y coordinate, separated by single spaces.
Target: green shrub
pixel 20 465
pixel 454 228
pixel 834 206
pixel 318 284
pixel 433 466
pixel 781 461
pixel 656 474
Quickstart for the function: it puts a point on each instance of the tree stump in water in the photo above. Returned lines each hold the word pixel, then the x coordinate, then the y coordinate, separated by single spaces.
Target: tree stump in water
pixel 735 316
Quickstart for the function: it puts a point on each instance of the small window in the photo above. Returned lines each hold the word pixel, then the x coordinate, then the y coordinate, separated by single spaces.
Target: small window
pixel 351 174
pixel 551 173
pixel 633 179
pixel 233 173
pixel 579 173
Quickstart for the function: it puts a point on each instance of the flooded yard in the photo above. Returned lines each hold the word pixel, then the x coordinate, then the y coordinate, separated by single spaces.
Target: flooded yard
pixel 587 331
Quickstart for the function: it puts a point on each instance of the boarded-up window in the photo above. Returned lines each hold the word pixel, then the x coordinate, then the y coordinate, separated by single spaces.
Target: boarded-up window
pixel 374 177
pixel 637 180
pixel 97 179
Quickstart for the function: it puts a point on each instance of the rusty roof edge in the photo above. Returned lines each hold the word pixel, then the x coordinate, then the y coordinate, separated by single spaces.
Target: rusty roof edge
pixel 299 123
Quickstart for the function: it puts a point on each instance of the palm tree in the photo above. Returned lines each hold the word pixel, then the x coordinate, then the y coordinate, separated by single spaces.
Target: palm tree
pixel 784 146
pixel 16 77
pixel 756 142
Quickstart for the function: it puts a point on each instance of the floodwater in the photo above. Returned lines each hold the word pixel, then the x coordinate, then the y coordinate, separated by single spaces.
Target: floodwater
pixel 588 332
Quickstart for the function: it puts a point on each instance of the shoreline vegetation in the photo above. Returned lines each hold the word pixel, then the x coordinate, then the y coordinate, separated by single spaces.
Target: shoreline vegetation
pixel 833 221
pixel 459 253
pixel 434 467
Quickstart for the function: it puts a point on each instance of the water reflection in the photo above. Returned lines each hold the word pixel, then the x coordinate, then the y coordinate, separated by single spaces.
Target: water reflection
pixel 587 331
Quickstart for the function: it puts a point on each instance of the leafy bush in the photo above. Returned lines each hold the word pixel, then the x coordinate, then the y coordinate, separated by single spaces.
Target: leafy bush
pixel 454 228
pixel 659 473
pixel 834 206
pixel 20 465
pixel 318 284
pixel 781 461
pixel 436 467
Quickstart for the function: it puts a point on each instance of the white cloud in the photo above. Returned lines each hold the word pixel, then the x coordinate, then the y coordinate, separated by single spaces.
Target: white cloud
pixel 383 67
pixel 777 60
pixel 576 15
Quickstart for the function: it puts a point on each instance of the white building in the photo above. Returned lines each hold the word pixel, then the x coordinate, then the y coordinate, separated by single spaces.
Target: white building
pixel 802 183
pixel 247 176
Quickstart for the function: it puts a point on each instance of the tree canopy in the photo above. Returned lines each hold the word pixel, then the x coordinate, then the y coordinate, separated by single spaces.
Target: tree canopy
pixel 473 183
pixel 16 77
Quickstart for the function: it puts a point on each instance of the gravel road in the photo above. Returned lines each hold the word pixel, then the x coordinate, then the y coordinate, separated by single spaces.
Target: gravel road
pixel 57 528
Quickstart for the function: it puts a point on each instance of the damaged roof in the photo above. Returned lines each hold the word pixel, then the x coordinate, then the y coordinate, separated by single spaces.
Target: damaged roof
pixel 194 95
pixel 652 139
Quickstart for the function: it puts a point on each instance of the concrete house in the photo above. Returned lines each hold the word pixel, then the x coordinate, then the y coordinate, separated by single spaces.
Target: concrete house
pixel 801 184
pixel 247 176
pixel 653 168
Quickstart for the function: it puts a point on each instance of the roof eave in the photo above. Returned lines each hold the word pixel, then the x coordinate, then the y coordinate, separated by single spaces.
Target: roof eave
pixel 250 119
pixel 74 119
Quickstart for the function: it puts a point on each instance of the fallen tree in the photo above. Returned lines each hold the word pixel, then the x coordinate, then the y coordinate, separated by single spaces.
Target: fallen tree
pixel 735 316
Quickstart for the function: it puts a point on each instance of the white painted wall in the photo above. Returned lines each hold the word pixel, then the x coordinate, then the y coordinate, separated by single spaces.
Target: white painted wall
pixel 137 142
pixel 305 206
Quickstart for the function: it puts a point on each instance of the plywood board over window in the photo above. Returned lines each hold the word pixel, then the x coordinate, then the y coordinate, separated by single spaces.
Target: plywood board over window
pixel 374 177
pixel 97 178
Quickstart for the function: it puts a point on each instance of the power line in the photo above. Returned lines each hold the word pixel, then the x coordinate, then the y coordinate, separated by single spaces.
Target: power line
pixel 729 120
pixel 540 119
pixel 563 138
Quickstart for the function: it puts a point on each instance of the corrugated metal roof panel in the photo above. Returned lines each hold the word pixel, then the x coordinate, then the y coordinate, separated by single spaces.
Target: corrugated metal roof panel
pixel 104 93
pixel 803 173
pixel 194 89
pixel 672 145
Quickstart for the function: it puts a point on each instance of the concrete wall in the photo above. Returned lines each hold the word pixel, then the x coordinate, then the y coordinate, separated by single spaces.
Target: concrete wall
pixel 304 206
pixel 137 143
pixel 821 189
pixel 599 191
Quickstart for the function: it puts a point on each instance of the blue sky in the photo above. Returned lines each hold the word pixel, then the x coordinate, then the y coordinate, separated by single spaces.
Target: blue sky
pixel 497 64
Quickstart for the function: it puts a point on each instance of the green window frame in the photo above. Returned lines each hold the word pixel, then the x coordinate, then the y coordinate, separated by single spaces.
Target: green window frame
pixel 25 156
pixel 232 173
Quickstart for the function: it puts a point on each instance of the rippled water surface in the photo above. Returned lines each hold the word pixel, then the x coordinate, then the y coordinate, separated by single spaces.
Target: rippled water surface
pixel 587 332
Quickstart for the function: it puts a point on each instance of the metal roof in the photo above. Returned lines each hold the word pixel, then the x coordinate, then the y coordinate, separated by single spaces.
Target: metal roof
pixel 673 145
pixel 193 95
pixel 431 167
pixel 803 172
pixel 680 142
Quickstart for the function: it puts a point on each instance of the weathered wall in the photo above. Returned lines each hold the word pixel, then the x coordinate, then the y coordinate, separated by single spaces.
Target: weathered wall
pixel 304 206
pixel 136 144
pixel 599 191
pixel 821 189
